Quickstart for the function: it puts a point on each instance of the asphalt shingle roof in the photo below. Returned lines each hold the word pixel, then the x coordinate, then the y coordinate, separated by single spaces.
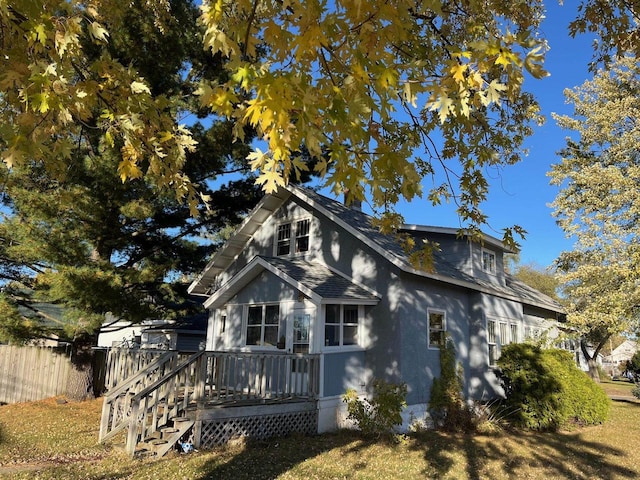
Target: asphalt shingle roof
pixel 320 279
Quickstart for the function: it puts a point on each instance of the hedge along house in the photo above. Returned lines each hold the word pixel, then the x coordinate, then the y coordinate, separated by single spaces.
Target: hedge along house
pixel 309 275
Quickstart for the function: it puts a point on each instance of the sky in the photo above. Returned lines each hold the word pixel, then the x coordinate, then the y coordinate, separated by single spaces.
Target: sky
pixel 521 194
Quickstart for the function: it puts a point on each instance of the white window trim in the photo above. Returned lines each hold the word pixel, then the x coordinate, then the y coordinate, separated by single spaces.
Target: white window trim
pixel 444 326
pixel 495 261
pixel 358 346
pixel 293 222
pixel 501 325
pixel 245 325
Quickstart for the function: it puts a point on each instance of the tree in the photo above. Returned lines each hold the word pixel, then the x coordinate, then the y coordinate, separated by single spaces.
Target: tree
pixel 538 277
pixel 62 85
pixel 616 24
pixel 599 205
pixel 394 92
pixel 85 241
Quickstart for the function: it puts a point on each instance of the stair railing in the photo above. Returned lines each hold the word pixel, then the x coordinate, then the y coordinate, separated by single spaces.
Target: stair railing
pixel 167 398
pixel 116 405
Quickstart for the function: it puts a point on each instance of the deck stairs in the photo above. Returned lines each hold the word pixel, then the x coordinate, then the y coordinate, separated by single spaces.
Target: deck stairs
pixel 210 397
pixel 154 408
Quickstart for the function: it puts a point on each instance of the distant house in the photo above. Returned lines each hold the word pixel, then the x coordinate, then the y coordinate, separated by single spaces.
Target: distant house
pixel 619 357
pixel 184 334
pixel 305 273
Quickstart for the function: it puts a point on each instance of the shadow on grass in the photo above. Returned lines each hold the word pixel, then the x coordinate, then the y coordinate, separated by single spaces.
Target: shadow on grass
pixel 269 459
pixel 518 455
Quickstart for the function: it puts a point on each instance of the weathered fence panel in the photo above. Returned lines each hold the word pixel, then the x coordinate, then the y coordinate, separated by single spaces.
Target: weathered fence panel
pixel 32 373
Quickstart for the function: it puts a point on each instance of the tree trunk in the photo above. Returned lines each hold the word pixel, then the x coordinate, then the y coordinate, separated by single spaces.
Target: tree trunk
pixel 80 381
pixel 591 361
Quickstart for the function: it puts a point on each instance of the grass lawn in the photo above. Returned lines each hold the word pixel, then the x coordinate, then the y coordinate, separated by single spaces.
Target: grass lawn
pixel 54 440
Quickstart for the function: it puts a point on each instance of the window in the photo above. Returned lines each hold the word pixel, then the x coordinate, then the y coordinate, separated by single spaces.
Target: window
pixel 514 333
pixel 436 329
pixel 500 334
pixel 264 326
pixel 341 325
pixel 299 230
pixel 284 239
pixel 488 261
pixel 223 323
pixel 492 341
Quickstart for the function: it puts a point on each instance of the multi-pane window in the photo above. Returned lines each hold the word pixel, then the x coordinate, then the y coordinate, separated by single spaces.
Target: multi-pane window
pixel 284 239
pixel 263 325
pixel 436 329
pixel 302 235
pixel 341 325
pixel 488 261
pixel 298 231
pixel 500 334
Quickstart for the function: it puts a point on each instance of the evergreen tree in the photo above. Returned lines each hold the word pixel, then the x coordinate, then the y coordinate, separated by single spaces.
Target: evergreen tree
pixel 82 239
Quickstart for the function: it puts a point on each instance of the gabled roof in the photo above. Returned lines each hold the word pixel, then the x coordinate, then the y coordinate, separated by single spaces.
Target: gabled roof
pixel 313 279
pixel 360 225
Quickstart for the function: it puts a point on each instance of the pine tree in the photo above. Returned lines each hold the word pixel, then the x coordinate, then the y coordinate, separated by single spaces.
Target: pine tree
pixel 84 240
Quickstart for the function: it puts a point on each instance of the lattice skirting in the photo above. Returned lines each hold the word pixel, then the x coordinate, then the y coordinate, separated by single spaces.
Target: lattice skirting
pixel 255 424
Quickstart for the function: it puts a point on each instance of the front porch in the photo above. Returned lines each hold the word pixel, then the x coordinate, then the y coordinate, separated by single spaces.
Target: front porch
pixel 210 398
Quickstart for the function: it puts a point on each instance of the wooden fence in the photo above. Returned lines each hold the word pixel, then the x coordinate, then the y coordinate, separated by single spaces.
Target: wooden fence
pixel 32 373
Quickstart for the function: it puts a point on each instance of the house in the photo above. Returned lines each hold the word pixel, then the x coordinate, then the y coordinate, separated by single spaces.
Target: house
pixel 310 275
pixel 186 334
pixel 616 361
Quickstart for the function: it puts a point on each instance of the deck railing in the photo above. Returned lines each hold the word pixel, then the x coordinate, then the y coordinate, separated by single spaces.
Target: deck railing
pixel 242 376
pixel 166 389
pixel 123 362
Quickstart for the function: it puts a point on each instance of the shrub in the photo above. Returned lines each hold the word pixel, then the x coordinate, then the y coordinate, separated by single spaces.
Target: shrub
pixel 546 390
pixel 636 391
pixel 380 415
pixel 446 403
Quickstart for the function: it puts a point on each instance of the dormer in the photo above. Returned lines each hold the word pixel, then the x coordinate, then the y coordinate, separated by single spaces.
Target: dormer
pixel 483 261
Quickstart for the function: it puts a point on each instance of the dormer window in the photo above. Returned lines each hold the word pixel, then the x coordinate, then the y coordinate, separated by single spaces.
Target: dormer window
pixel 294 233
pixel 488 261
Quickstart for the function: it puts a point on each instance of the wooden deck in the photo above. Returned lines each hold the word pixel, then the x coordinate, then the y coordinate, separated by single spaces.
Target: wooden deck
pixel 224 394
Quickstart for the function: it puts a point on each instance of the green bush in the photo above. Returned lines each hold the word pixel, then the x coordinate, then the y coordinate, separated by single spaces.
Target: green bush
pixel 546 390
pixel 380 415
pixel 447 407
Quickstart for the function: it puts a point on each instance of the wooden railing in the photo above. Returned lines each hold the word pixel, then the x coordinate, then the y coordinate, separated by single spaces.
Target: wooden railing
pixel 116 406
pixel 122 363
pixel 166 399
pixel 241 376
pixel 165 390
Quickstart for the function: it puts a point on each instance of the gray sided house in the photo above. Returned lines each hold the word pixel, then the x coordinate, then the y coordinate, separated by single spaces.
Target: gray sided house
pixel 307 274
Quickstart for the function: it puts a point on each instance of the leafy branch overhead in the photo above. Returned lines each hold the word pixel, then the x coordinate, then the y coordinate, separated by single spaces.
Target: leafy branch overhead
pixel 383 94
pixel 393 91
pixel 55 94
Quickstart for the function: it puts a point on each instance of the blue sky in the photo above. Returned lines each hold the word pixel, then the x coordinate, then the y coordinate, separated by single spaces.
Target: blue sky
pixel 521 194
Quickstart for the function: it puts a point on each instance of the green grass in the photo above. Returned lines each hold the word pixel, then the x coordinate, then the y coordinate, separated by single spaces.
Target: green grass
pixel 52 440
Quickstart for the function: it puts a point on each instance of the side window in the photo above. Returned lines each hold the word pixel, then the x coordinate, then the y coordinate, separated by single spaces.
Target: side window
pixel 488 261
pixel 437 328
pixel 296 234
pixel 500 334
pixel 492 341
pixel 341 325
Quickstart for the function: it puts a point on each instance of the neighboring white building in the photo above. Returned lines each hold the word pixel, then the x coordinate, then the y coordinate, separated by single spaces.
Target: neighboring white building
pixel 619 356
